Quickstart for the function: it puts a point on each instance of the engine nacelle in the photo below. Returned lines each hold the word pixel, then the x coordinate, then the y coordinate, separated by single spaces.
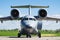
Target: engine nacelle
pixel 14 13
pixel 42 13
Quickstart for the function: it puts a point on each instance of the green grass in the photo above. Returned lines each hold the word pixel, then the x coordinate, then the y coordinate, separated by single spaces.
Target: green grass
pixel 50 33
pixel 8 32
pixel 57 34
pixel 15 32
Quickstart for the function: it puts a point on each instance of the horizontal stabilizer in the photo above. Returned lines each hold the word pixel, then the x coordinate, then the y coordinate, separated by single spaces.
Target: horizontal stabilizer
pixel 27 6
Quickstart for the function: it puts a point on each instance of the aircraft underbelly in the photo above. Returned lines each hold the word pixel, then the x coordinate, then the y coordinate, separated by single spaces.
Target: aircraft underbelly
pixel 30 26
pixel 30 30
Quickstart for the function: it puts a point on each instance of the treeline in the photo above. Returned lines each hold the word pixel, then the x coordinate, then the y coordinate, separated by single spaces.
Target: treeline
pixel 10 30
pixel 42 31
pixel 50 31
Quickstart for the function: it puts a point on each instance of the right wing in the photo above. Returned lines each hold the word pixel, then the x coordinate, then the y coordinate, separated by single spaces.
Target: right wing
pixel 8 18
pixel 5 18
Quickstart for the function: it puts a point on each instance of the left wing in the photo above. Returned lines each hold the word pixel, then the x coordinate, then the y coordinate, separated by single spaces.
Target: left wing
pixel 54 19
pixel 48 18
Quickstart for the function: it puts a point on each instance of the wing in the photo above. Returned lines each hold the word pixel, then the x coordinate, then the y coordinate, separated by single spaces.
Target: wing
pixel 27 6
pixel 5 18
pixel 48 18
pixel 8 18
pixel 53 19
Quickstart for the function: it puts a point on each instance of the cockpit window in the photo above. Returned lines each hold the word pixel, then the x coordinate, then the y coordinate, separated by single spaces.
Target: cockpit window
pixel 28 19
pixel 25 18
pixel 31 19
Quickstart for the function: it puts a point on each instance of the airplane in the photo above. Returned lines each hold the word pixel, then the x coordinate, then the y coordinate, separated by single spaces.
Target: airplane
pixel 29 24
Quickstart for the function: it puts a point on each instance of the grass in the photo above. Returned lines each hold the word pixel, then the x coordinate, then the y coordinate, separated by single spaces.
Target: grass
pixel 15 32
pixel 8 32
pixel 52 35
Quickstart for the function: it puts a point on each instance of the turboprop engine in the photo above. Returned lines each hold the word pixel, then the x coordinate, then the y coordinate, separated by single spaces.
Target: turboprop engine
pixel 42 13
pixel 14 13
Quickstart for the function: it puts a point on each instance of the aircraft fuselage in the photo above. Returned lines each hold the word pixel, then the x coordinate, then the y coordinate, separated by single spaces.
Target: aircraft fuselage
pixel 30 24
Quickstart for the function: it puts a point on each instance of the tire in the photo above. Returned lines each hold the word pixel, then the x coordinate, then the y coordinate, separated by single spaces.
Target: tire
pixel 39 34
pixel 28 35
pixel 19 35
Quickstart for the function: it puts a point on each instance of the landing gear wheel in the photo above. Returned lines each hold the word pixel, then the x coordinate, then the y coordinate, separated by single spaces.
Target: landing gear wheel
pixel 28 35
pixel 19 35
pixel 39 34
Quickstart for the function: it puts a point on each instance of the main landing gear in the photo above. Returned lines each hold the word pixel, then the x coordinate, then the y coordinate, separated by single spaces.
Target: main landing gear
pixel 39 34
pixel 28 35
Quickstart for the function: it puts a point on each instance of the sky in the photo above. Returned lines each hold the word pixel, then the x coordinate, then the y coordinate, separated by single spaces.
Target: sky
pixel 53 11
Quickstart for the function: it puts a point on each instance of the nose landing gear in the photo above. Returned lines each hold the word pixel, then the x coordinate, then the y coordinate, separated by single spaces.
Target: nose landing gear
pixel 28 35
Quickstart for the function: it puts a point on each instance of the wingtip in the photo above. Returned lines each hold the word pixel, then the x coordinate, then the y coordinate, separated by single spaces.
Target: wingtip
pixel 48 6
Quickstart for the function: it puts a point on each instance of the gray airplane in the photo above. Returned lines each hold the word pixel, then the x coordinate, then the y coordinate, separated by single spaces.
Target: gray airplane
pixel 29 24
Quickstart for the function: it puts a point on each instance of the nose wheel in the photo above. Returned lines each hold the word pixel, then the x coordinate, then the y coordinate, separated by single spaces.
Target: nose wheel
pixel 28 35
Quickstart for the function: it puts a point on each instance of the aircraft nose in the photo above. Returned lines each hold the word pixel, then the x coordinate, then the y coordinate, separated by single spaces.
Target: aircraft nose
pixel 26 25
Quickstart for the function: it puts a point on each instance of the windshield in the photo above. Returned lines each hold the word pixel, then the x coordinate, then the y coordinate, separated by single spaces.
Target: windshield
pixel 25 18
pixel 28 19
pixel 31 19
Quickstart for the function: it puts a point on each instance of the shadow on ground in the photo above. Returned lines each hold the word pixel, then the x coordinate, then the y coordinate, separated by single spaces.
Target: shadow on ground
pixel 16 37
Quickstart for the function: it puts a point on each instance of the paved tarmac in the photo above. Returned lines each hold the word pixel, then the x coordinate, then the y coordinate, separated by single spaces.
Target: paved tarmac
pixel 33 38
